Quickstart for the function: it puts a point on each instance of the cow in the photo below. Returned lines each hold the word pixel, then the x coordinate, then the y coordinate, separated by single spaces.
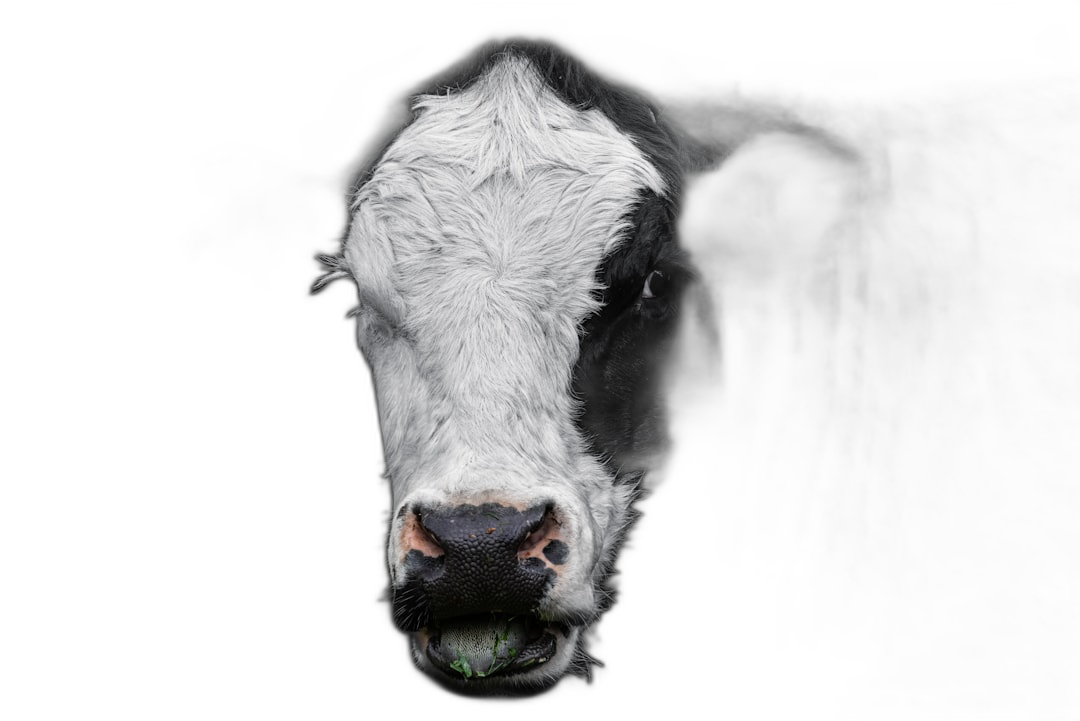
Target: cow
pixel 863 320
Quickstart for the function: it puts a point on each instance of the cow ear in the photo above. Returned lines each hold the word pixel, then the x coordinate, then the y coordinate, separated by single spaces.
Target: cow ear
pixel 787 190
pixel 336 268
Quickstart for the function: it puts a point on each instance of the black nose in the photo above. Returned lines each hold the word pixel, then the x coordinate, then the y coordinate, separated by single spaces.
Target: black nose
pixel 472 559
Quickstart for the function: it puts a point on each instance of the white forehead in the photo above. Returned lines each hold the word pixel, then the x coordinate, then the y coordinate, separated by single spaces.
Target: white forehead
pixel 500 186
pixel 478 237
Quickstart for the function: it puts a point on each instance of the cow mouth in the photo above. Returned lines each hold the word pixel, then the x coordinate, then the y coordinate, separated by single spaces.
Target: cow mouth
pixel 473 648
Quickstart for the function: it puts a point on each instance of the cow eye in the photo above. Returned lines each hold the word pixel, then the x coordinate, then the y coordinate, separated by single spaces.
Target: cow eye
pixel 656 285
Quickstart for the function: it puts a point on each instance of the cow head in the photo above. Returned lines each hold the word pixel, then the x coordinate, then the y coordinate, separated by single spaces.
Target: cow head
pixel 513 247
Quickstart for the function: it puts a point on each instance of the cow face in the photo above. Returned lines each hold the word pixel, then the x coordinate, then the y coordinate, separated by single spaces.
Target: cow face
pixel 518 279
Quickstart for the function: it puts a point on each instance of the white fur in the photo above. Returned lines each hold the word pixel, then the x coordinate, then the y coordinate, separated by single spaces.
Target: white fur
pixel 475 246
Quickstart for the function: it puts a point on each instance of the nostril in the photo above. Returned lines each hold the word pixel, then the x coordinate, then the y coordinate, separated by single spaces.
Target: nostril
pixel 537 534
pixel 417 537
pixel 545 541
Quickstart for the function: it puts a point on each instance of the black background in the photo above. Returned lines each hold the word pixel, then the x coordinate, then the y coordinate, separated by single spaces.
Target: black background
pixel 286 603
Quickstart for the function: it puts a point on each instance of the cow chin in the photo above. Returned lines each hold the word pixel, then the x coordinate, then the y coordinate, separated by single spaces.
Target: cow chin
pixel 497 654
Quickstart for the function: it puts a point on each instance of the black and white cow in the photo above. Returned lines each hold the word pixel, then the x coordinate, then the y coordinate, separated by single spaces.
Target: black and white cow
pixel 833 344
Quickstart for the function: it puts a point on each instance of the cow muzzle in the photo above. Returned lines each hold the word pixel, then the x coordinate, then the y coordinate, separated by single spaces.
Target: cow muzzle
pixel 475 578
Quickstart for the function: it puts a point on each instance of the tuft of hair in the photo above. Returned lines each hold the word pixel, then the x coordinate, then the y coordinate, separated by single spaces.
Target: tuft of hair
pixel 336 268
